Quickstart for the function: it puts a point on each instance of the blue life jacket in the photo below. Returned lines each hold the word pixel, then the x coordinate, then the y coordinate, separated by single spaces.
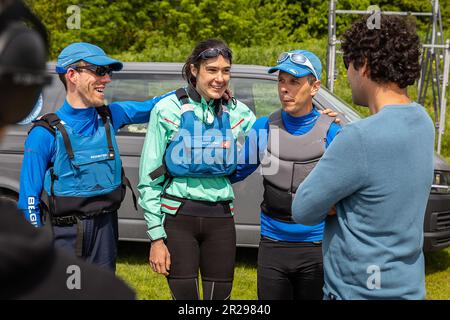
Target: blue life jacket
pixel 85 177
pixel 199 149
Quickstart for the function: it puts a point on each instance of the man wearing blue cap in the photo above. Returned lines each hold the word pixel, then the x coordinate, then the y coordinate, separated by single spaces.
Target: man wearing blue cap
pixel 288 143
pixel 73 155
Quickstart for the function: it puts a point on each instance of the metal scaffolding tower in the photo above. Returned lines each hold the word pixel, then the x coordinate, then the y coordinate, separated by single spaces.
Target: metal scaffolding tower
pixel 435 59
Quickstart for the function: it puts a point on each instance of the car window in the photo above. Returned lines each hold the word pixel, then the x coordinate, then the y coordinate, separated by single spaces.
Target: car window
pixel 260 95
pixel 266 97
pixel 140 87
pixel 339 105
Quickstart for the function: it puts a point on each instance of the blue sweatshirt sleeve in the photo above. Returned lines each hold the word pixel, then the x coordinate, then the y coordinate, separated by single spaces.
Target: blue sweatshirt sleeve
pixel 253 150
pixel 130 112
pixel 341 171
pixel 38 152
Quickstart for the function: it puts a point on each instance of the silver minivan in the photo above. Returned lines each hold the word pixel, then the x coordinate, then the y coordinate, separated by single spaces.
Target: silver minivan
pixel 250 84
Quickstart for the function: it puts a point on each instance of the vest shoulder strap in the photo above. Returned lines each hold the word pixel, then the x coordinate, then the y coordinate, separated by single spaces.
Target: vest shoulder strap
pixel 160 171
pixel 104 112
pixel 47 121
pixel 312 143
pixel 182 95
pixel 52 122
pixel 323 124
pixel 276 119
pixel 275 116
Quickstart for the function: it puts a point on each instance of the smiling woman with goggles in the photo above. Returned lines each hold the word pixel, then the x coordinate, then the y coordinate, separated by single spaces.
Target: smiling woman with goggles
pixel 299 59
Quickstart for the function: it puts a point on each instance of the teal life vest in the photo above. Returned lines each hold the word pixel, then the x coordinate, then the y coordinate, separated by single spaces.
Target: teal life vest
pixel 200 149
pixel 85 177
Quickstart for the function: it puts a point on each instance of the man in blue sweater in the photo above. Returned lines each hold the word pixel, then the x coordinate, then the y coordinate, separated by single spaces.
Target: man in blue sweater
pixel 74 157
pixel 378 172
pixel 287 144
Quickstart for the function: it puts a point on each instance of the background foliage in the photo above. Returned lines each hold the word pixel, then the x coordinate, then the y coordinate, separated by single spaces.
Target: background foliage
pixel 139 26
pixel 256 30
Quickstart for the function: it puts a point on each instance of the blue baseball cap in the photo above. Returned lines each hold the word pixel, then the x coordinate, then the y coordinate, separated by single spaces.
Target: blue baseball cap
pixel 87 52
pixel 306 63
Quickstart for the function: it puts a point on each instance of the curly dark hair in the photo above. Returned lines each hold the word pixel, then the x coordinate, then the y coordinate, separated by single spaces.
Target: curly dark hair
pixel 392 52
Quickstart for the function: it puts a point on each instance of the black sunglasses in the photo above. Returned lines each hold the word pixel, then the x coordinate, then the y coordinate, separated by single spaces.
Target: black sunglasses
pixel 215 52
pixel 98 70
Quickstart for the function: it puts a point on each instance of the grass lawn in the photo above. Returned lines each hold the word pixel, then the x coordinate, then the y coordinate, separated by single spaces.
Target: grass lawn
pixel 437 268
pixel 132 267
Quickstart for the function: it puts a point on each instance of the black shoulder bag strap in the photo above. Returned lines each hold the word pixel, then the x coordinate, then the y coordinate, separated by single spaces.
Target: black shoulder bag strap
pixel 105 115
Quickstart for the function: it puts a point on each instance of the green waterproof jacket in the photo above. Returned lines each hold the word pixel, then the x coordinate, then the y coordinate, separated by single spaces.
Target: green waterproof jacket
pixel 164 121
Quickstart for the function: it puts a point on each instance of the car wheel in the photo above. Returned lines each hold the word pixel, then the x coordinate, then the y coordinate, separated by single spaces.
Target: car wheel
pixel 8 199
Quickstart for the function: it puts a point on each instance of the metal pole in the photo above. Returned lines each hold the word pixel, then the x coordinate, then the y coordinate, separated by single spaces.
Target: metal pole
pixel 434 75
pixel 443 98
pixel 423 83
pixel 436 80
pixel 437 46
pixel 435 103
pixel 331 54
pixel 433 33
pixel 426 79
pixel 441 31
pixel 388 13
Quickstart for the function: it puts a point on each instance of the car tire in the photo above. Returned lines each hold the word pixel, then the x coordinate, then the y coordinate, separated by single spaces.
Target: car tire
pixel 9 199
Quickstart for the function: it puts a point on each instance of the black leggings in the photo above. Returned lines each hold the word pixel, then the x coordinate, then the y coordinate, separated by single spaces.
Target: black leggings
pixel 205 243
pixel 289 270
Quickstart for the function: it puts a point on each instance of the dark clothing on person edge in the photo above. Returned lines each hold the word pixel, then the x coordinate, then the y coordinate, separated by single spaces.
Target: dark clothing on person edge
pixel 32 268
